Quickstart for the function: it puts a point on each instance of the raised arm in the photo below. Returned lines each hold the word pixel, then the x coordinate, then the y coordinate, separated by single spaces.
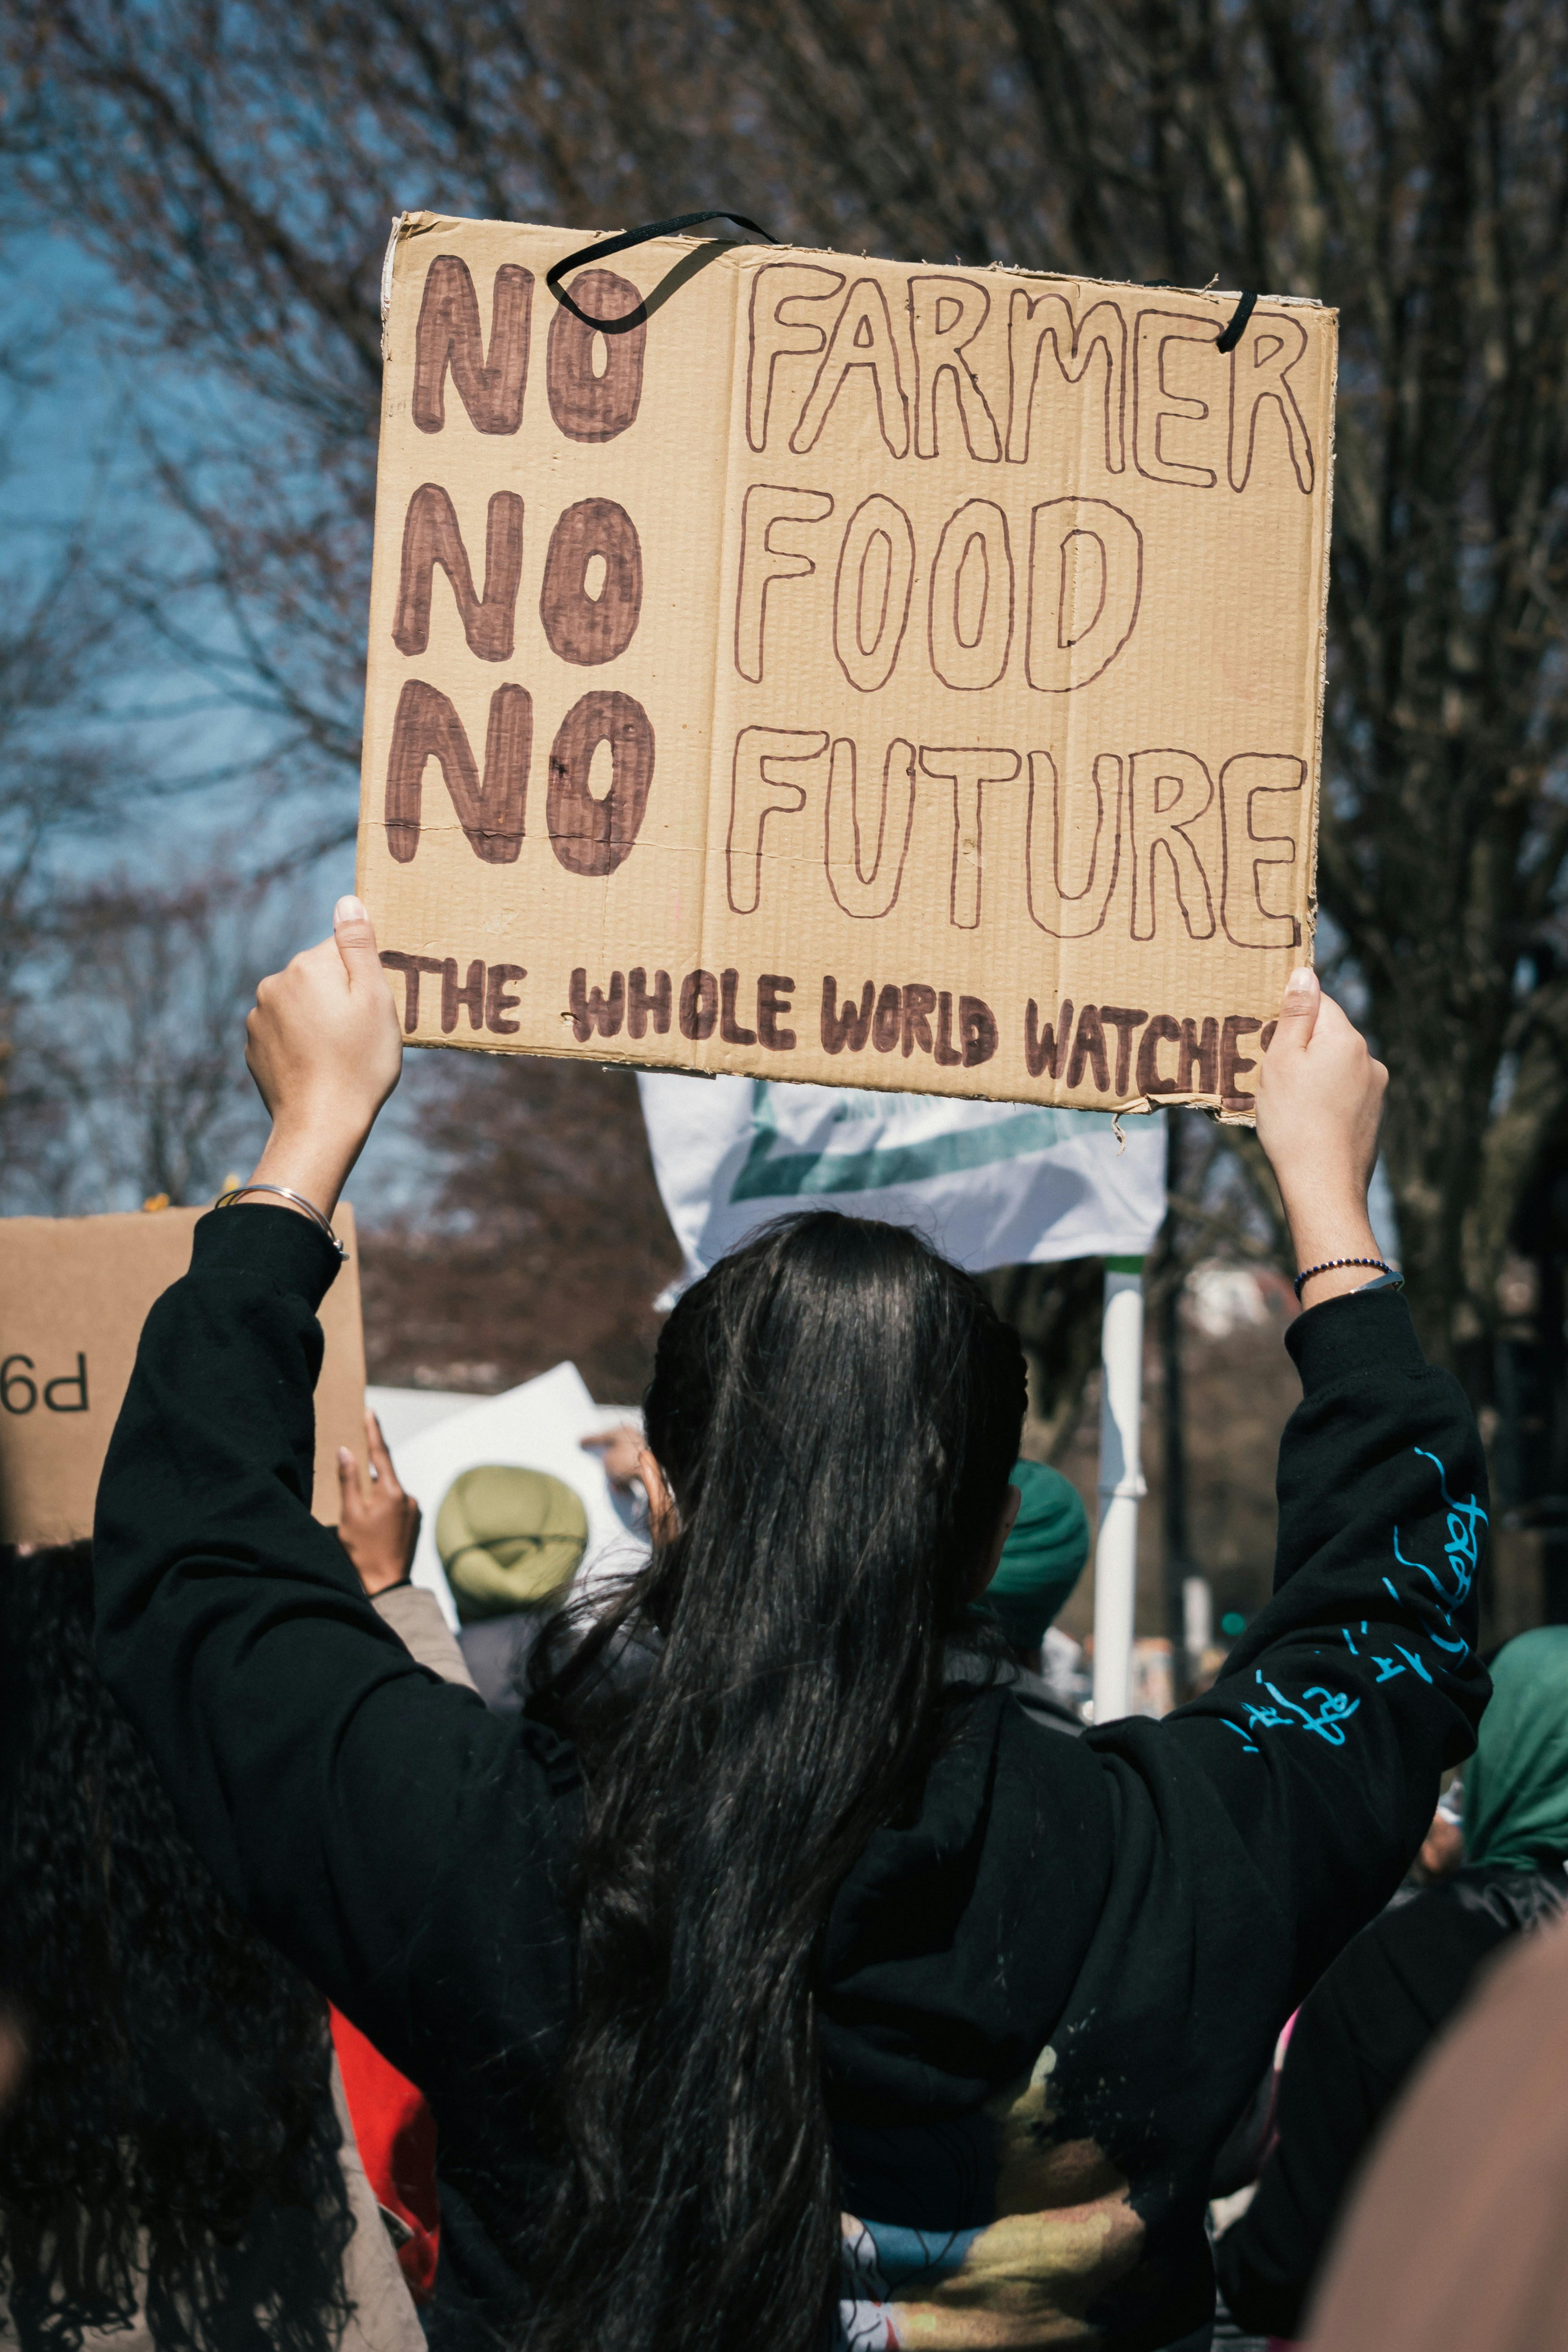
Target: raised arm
pixel 1382 1485
pixel 1319 1105
pixel 1309 1773
pixel 323 1773
pixel 324 1047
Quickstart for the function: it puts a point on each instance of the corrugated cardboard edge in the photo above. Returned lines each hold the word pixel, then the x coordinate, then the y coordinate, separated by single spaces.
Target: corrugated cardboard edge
pixel 340 1388
pixel 1249 1118
pixel 412 223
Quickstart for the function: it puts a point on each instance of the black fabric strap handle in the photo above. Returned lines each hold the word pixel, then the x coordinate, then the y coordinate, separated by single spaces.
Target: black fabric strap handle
pixel 1237 327
pixel 622 244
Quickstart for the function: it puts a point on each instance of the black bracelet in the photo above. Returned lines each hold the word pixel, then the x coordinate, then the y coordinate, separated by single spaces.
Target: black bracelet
pixel 1332 1264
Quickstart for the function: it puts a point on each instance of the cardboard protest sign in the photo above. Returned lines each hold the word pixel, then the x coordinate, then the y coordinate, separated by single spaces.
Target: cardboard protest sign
pixel 74 1293
pixel 858 671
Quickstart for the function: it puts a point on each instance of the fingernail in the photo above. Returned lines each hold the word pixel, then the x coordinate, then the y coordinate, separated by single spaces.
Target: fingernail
pixel 344 1457
pixel 349 910
pixel 1300 982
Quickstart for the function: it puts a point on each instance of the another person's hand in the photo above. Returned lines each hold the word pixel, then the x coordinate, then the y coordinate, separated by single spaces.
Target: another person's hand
pixel 618 1448
pixel 1319 1105
pixel 380 1524
pixel 1442 1850
pixel 325 1050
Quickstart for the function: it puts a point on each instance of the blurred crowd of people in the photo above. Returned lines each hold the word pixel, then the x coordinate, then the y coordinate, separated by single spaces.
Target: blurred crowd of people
pixel 197 2149
pixel 758 1944
pixel 194 2147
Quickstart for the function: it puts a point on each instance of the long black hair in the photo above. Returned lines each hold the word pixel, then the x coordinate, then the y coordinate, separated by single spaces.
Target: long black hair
pixel 174 2136
pixel 837 1410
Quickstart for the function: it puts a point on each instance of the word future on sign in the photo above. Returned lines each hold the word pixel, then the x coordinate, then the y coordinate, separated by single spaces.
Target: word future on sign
pixel 899 677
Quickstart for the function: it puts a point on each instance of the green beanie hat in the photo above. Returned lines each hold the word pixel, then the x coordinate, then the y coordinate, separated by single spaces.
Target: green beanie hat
pixel 509 1540
pixel 1042 1558
pixel 1516 1789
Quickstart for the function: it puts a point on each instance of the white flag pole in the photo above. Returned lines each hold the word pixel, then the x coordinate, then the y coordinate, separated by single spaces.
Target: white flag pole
pixel 1120 1486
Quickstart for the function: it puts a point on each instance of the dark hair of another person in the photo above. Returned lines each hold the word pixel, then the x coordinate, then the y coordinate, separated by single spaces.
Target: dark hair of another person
pixel 175 2135
pixel 837 1410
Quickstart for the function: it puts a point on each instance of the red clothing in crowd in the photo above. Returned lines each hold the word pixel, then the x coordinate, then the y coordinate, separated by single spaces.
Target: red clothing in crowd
pixel 396 2134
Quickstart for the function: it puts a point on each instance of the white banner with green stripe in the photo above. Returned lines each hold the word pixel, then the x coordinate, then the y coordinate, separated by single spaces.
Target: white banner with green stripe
pixel 989 1183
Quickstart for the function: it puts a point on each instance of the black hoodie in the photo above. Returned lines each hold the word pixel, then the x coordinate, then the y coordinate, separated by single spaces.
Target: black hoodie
pixel 1043 1999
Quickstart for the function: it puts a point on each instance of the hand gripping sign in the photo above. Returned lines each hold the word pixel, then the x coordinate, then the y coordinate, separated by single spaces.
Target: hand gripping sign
pixel 844 670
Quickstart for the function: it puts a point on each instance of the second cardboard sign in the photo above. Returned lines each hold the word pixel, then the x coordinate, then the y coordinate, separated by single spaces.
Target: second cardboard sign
pixel 74 1294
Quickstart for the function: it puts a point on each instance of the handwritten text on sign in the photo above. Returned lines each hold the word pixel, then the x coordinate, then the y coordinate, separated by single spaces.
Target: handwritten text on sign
pixel 981 608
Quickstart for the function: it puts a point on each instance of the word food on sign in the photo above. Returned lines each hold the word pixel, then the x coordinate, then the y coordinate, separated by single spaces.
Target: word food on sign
pixel 762 624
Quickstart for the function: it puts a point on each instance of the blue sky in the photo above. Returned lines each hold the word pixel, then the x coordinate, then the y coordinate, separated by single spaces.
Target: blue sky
pixel 73 456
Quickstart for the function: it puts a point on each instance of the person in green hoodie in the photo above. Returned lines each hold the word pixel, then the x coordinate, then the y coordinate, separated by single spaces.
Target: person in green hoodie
pixel 1516 1789
pixel 1362 2031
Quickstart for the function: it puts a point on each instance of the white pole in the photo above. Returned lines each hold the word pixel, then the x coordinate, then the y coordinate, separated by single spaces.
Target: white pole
pixel 1120 1487
pixel 1197 1619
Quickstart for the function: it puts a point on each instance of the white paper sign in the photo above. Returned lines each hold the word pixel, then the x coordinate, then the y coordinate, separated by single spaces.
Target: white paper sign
pixel 539 1426
pixel 988 1184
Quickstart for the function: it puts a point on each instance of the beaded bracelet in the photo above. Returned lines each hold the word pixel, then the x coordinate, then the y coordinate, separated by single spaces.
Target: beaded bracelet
pixel 286 1193
pixel 1332 1264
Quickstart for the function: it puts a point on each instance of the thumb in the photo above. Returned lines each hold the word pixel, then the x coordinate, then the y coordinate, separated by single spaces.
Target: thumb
pixel 1297 1011
pixel 356 935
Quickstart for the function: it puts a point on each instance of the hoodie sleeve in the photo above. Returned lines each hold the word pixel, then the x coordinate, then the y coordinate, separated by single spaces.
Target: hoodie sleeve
pixel 1323 1741
pixel 1253 1832
pixel 336 1788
